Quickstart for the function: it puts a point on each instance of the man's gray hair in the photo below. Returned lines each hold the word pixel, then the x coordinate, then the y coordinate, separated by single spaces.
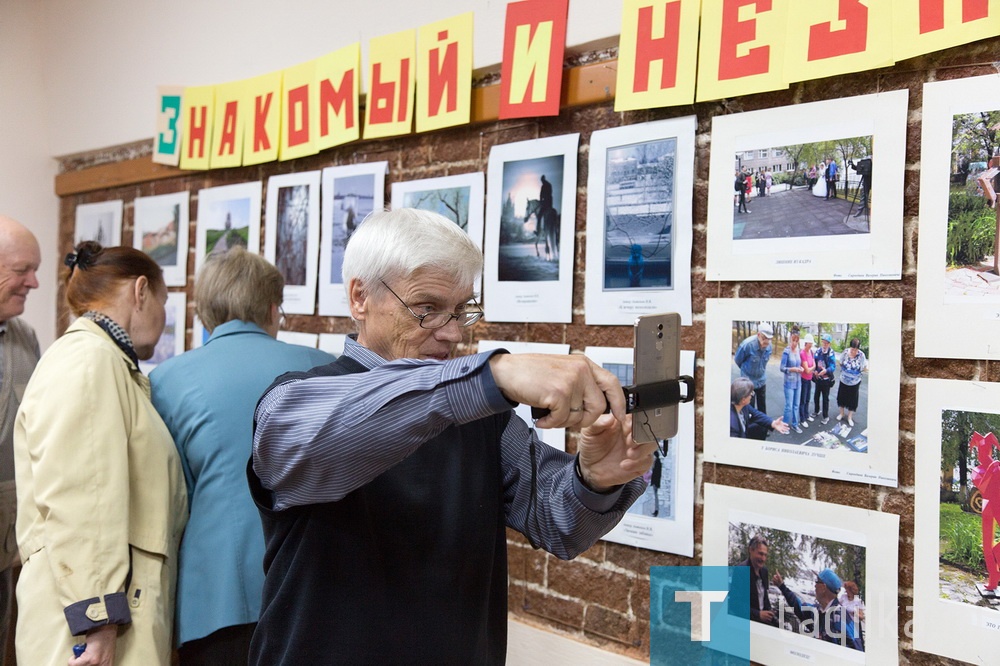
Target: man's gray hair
pixel 757 540
pixel 393 244
pixel 237 285
pixel 740 389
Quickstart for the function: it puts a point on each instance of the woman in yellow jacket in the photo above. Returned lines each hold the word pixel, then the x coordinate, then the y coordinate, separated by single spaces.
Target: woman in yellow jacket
pixel 100 490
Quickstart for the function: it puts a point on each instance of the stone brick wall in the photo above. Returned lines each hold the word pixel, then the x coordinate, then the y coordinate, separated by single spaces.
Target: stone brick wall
pixel 603 597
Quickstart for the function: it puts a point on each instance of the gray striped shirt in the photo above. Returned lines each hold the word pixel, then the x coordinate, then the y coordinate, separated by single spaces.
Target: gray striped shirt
pixel 318 439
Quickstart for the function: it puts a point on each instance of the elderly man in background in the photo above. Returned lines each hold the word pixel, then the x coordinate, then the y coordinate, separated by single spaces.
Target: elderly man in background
pixel 19 260
pixel 744 420
pixel 826 619
pixel 386 480
pixel 760 602
pixel 751 358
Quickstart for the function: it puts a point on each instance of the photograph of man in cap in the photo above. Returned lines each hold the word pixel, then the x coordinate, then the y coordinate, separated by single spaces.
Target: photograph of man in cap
pixel 751 357
pixel 825 619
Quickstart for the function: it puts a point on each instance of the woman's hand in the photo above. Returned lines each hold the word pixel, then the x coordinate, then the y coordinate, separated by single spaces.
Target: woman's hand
pixel 100 648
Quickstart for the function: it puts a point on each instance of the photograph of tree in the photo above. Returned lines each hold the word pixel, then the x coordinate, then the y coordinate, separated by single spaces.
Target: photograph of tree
pixel 638 215
pixel 821 188
pixel 971 272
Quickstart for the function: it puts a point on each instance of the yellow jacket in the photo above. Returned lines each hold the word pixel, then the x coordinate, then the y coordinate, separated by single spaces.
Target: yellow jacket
pixel 101 505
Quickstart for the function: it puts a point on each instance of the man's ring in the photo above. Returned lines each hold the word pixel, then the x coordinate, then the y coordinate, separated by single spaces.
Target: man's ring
pixel 577 409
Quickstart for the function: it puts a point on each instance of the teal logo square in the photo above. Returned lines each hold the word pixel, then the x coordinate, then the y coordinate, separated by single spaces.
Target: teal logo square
pixel 699 616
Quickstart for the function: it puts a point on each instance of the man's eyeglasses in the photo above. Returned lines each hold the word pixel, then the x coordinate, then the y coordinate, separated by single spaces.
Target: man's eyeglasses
pixel 440 319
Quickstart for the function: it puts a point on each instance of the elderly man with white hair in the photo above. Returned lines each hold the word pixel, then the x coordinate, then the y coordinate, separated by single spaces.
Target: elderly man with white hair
pixel 19 260
pixel 386 480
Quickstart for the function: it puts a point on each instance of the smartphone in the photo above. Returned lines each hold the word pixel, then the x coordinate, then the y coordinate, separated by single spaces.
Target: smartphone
pixel 657 358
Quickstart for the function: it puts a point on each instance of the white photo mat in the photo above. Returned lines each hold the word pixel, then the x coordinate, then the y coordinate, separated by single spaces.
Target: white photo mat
pixel 937 309
pixel 877 532
pixel 533 288
pixel 227 213
pixel 946 627
pixel 101 222
pixel 332 343
pixel 293 205
pixel 554 437
pixel 161 231
pixel 460 198
pixel 298 338
pixel 672 531
pixel 864 256
pixel 622 201
pixel 349 193
pixel 171 342
pixel 878 465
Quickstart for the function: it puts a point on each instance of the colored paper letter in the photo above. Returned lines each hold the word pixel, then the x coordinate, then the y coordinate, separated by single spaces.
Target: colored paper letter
pixel 831 37
pixel 444 73
pixel 167 147
pixel 925 26
pixel 263 102
pixel 229 122
pixel 338 79
pixel 298 123
pixel 390 100
pixel 197 115
pixel 531 72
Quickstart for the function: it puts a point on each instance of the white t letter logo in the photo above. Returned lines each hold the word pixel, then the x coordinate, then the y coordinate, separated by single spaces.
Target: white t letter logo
pixel 701 616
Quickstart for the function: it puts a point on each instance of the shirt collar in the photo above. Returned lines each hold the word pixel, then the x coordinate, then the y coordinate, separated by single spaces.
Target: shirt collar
pixel 362 354
pixel 117 334
pixel 233 327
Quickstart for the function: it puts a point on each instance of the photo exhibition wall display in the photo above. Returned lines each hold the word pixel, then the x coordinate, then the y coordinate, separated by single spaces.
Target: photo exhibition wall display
pixel 639 188
pixel 663 518
pixel 227 216
pixel 805 540
pixel 844 224
pixel 348 195
pixel 171 342
pixel 291 236
pixel 850 431
pixel 100 222
pixel 161 231
pixel 530 220
pixel 956 606
pixel 958 279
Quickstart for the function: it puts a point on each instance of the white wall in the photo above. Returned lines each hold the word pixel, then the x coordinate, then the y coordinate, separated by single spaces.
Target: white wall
pixel 26 168
pixel 80 75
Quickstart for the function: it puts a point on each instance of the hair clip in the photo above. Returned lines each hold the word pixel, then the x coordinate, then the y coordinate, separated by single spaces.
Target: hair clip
pixel 71 260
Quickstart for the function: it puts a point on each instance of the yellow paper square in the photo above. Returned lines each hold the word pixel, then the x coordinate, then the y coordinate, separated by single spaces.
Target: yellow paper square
pixel 263 118
pixel 196 126
pixel 830 37
pixel 742 49
pixel 229 122
pixel 444 73
pixel 389 106
pixel 652 32
pixel 299 122
pixel 338 96
pixel 946 24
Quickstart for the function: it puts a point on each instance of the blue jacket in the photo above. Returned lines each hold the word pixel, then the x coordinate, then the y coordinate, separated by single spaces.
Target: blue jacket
pixel 206 397
pixel 832 625
pixel 751 417
pixel 752 360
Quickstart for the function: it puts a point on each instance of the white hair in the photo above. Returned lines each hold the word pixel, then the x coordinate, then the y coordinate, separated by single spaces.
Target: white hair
pixel 392 244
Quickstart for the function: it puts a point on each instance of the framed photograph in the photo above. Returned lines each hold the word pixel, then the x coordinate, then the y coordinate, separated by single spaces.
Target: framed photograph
pixel 639 188
pixel 770 360
pixel 809 192
pixel 349 194
pixel 530 220
pixel 101 222
pixel 958 272
pixel 297 338
pixel 554 437
pixel 161 231
pixel 663 518
pixel 823 579
pixel 227 216
pixel 291 236
pixel 956 603
pixel 332 343
pixel 171 342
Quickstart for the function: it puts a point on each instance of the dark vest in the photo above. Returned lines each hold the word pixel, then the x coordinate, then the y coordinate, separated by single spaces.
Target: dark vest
pixel 408 569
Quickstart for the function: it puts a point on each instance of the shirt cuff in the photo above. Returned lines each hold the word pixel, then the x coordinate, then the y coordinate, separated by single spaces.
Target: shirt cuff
pixel 92 613
pixel 477 395
pixel 595 501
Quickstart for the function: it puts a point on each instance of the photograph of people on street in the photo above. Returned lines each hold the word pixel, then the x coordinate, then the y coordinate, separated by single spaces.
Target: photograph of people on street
pixel 801 583
pixel 802 383
pixel 638 215
pixel 821 188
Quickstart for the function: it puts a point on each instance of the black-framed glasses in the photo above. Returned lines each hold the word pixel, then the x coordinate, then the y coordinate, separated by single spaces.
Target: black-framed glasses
pixel 432 320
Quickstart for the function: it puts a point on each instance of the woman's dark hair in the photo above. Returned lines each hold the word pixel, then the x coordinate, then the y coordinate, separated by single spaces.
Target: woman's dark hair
pixel 95 273
pixel 856 343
